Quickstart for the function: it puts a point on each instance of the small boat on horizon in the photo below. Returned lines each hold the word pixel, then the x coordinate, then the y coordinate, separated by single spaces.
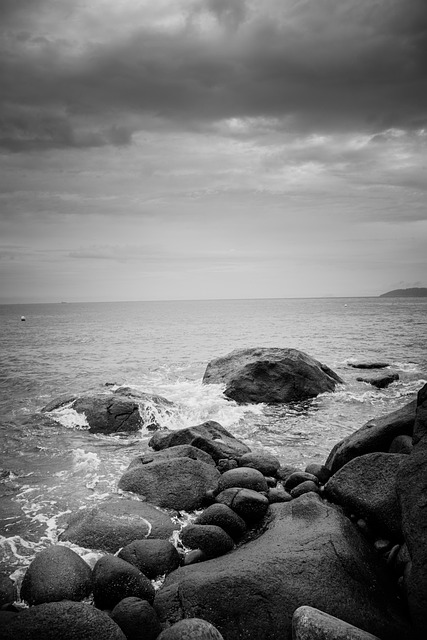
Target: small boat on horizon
pixel 23 318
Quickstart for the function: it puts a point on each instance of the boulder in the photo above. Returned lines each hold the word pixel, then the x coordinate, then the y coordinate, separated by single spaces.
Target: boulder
pixel 368 365
pixel 262 461
pixel 191 629
pixel 212 540
pixel 375 435
pixel 115 579
pixel 366 487
pixel 115 523
pixel 420 424
pixel 56 573
pixel 380 382
pixel 153 408
pixel 311 624
pixel 222 516
pixel 180 451
pixel 250 505
pixel 304 487
pixel 321 472
pixel 137 619
pixel 244 477
pixel 278 494
pixel 153 557
pixel 401 444
pixel 8 591
pixel 270 375
pixel 299 477
pixel 65 620
pixel 178 483
pixel 210 436
pixel 309 553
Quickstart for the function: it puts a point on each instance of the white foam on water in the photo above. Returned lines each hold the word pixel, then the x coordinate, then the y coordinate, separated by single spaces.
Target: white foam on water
pixel 85 461
pixel 69 418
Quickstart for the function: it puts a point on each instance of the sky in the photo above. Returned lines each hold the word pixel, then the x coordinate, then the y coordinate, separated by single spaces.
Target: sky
pixel 202 149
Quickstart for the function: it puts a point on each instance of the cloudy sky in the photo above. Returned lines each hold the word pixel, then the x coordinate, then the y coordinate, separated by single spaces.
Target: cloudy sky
pixel 185 149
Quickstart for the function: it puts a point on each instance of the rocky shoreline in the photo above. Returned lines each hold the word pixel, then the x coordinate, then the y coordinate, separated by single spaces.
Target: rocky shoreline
pixel 269 551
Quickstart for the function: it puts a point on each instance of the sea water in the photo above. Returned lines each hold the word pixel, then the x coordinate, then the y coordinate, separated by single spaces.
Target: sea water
pixel 49 469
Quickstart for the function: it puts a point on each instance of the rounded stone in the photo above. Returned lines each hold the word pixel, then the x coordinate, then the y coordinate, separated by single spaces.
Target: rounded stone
pixel 304 487
pixel 297 478
pixel 222 516
pixel 244 477
pixel 249 505
pixel 321 472
pixel 8 591
pixel 137 619
pixel 209 538
pixel 115 579
pixel 278 494
pixel 153 557
pixel 191 629
pixel 264 462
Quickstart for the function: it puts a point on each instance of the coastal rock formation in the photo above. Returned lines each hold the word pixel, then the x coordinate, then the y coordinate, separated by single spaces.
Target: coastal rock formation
pixel 153 557
pixel 115 523
pixel 270 375
pixel 115 579
pixel 380 382
pixel 137 619
pixel 309 553
pixel 376 435
pixel 179 451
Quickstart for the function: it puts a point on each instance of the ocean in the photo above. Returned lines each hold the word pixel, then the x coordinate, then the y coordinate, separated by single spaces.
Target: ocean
pixel 51 469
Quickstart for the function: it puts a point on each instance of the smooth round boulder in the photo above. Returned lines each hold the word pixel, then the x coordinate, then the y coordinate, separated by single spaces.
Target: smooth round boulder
pixel 249 505
pixel 56 573
pixel 244 477
pixel 137 619
pixel 191 629
pixel 304 487
pixel 115 579
pixel 321 472
pixel 63 620
pixel 278 494
pixel 209 538
pixel 401 444
pixel 222 516
pixel 297 477
pixel 153 557
pixel 309 623
pixel 8 591
pixel 264 462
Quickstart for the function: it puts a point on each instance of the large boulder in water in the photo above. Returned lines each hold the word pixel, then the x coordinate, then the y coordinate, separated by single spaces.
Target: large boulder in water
pixel 270 375
pixel 309 553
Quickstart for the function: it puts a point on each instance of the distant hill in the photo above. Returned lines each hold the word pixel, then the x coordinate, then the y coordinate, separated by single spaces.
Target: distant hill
pixel 415 292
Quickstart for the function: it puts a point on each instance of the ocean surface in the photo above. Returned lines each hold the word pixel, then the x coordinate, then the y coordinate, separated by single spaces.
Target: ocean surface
pixel 50 469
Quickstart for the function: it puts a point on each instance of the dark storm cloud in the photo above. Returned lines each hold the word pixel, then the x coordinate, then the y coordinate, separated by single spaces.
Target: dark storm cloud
pixel 314 65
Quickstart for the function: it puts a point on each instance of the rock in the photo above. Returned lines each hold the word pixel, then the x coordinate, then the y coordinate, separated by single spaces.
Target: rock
pixel 368 365
pixel 278 494
pixel 56 573
pixel 152 407
pixel 61 620
pixel 243 477
pixel 153 557
pixel 179 483
pixel 192 557
pixel 180 451
pixel 264 462
pixel 270 375
pixel 366 486
pixel 285 471
pixel 311 624
pixel 250 505
pixel 212 540
pixel 304 487
pixel 191 629
pixel 309 552
pixel 375 435
pixel 210 436
pixel 222 516
pixel 321 472
pixel 115 579
pixel 115 523
pixel 420 424
pixel 380 382
pixel 401 444
pixel 137 619
pixel 226 464
pixel 8 591
pixel 297 478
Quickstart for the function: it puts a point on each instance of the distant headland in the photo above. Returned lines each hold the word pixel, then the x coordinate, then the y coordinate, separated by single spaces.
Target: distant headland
pixel 414 292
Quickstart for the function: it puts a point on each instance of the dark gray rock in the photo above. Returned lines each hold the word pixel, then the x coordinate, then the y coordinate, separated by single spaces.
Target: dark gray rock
pixel 401 444
pixel 178 483
pixel 375 435
pixel 321 472
pixel 366 487
pixel 304 487
pixel 191 629
pixel 8 591
pixel 244 477
pixel 210 437
pixel 56 573
pixel 309 623
pixel 115 579
pixel 270 375
pixel 369 365
pixel 262 461
pixel 297 478
pixel 420 423
pixel 61 620
pixel 115 523
pixel 250 505
pixel 180 451
pixel 137 619
pixel 222 516
pixel 278 494
pixel 153 557
pixel 380 382
pixel 308 553
pixel 212 540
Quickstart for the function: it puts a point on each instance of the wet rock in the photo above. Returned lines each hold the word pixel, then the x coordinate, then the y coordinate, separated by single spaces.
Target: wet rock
pixel 278 494
pixel 321 472
pixel 191 629
pixel 285 471
pixel 368 365
pixel 270 375
pixel 380 382
pixel 180 451
pixel 243 477
pixel 65 620
pixel 375 435
pixel 304 487
pixel 263 461
pixel 366 486
pixel 56 573
pixel 311 624
pixel 212 540
pixel 137 619
pixel 401 444
pixel 226 464
pixel 114 579
pixel 153 557
pixel 297 478
pixel 309 552
pixel 209 436
pixel 115 523
pixel 8 591
pixel 222 516
pixel 420 423
pixel 250 505
pixel 192 557
pixel 179 483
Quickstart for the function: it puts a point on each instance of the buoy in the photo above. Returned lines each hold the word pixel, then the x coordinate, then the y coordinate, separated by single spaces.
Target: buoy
pixel 22 318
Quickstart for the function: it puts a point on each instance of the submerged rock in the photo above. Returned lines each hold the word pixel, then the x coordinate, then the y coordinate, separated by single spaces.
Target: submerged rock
pixel 380 382
pixel 270 375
